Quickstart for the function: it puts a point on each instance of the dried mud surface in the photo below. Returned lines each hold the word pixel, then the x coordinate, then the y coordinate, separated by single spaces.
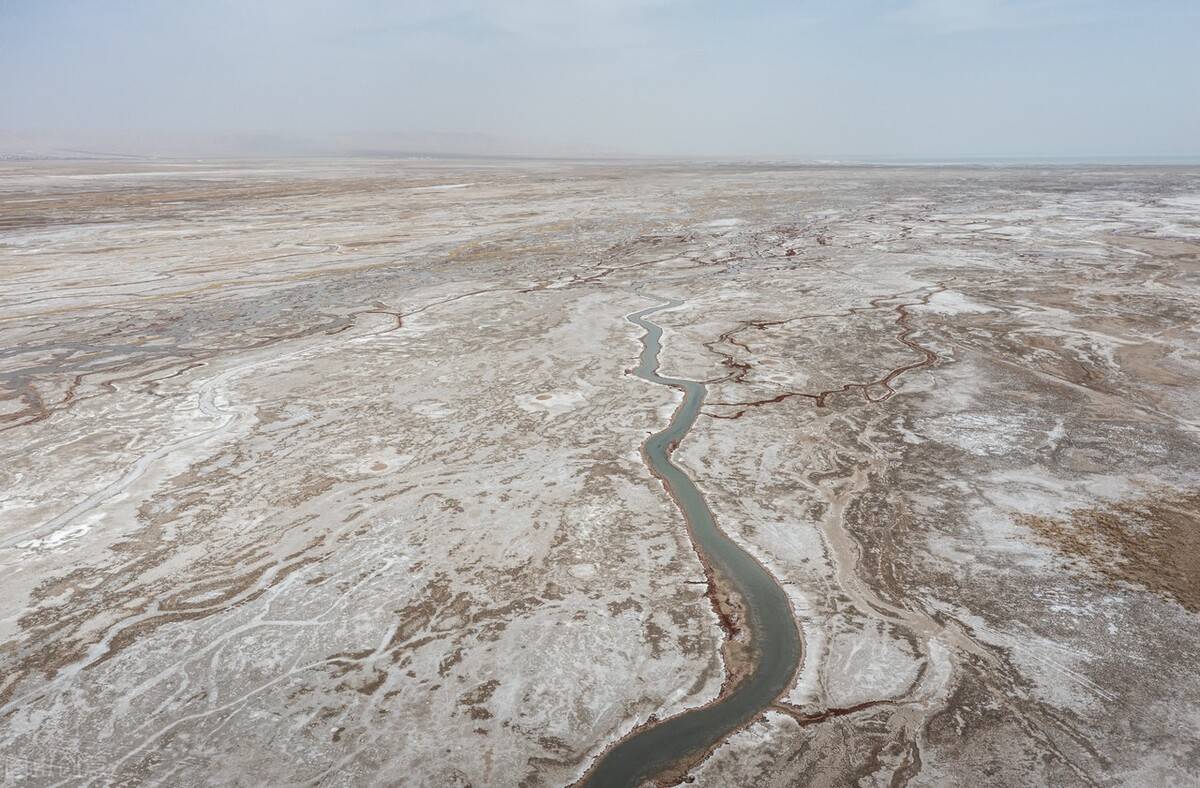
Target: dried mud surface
pixel 329 472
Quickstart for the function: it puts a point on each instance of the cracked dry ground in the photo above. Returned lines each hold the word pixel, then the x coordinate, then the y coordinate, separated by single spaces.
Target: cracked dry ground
pixel 328 472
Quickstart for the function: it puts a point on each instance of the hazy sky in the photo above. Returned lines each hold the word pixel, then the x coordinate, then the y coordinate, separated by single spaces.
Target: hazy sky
pixel 802 78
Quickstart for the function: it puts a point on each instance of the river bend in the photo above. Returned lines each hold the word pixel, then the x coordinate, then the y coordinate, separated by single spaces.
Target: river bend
pixel 776 647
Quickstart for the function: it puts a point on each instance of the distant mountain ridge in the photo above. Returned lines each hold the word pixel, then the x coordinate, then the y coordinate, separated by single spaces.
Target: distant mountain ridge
pixel 33 145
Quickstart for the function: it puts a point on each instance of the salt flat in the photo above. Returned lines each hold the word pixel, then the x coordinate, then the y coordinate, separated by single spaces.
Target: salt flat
pixel 329 471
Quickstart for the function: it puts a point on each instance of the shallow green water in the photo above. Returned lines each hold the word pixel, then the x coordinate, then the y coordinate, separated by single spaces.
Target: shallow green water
pixel 777 644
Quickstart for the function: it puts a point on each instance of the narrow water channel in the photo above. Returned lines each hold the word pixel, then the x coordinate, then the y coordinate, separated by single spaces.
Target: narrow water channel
pixel 775 640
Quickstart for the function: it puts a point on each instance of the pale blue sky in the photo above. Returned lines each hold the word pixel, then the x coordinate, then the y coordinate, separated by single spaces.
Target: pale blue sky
pixel 938 78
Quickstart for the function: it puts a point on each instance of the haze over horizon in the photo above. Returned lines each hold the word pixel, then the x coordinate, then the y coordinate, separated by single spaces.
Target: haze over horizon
pixel 885 78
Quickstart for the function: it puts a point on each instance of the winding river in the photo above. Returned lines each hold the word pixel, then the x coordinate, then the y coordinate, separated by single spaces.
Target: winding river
pixel 776 648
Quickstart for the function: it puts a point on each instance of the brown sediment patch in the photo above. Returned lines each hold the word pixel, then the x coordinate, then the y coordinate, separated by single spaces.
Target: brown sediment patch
pixel 737 648
pixel 1152 541
pixel 480 694
pixel 810 718
pixel 1177 250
